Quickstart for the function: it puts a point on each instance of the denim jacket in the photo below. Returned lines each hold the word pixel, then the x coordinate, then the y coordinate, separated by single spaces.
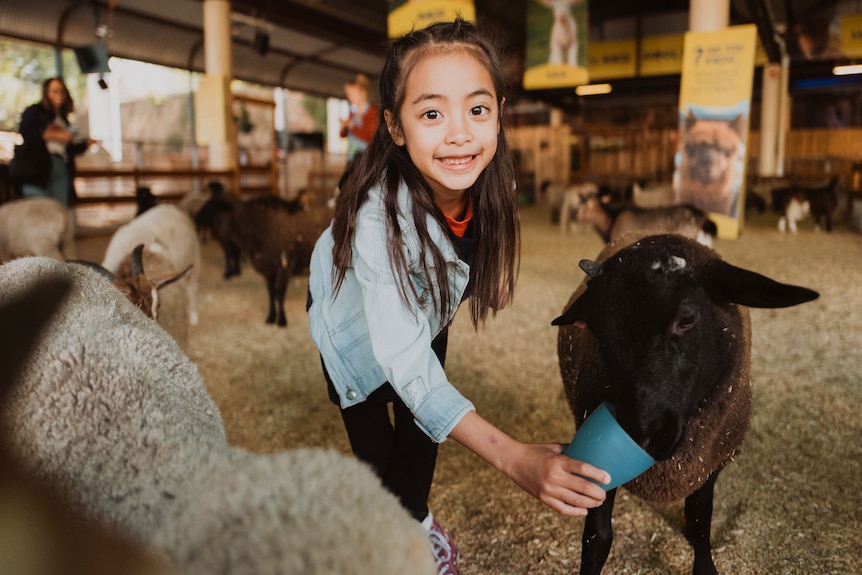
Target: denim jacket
pixel 367 336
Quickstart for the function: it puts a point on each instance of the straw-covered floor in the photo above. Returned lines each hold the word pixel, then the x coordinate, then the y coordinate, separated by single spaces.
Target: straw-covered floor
pixel 790 504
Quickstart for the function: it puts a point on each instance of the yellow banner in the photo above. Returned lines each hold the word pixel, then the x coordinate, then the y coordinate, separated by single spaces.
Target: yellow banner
pixel 714 110
pixel 408 15
pixel 614 59
pixel 557 33
pixel 661 55
pixel 851 35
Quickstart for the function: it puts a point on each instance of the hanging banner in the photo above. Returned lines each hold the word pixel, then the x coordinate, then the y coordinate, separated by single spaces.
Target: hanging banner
pixel 613 59
pixel 661 55
pixel 557 32
pixel 714 110
pixel 408 15
pixel 851 35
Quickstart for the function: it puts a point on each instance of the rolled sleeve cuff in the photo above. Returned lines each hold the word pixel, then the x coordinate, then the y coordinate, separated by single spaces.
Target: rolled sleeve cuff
pixel 441 411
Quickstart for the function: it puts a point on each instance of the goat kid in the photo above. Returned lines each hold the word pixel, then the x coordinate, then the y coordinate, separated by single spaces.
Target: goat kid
pixel 797 202
pixel 660 330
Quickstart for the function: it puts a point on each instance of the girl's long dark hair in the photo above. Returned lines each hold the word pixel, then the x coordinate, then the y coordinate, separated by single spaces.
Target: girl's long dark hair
pixel 493 195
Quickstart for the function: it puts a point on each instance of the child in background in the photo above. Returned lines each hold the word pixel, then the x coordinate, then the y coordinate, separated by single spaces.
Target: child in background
pixel 427 218
pixel 361 123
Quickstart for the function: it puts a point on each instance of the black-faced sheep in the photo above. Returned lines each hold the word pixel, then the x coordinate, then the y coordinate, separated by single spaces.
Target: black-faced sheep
pixel 794 203
pixel 276 235
pixel 111 412
pixel 36 227
pixel 174 232
pixel 612 223
pixel 660 331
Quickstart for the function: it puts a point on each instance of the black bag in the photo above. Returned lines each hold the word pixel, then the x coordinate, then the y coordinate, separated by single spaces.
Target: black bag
pixel 31 164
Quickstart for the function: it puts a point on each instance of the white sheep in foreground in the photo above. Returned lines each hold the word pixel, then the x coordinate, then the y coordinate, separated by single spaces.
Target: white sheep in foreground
pixel 36 227
pixel 660 331
pixel 174 230
pixel 45 536
pixel 110 411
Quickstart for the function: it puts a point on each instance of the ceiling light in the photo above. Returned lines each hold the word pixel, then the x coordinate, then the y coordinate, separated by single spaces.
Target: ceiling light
pixel 847 70
pixel 593 89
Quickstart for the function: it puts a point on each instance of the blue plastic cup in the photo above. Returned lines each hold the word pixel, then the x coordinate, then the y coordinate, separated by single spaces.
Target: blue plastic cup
pixel 601 442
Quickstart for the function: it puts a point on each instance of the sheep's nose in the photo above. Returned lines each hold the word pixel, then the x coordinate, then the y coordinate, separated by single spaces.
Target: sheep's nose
pixel 659 435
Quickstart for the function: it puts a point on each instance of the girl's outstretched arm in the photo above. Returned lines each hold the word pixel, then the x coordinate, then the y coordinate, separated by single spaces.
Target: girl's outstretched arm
pixel 539 468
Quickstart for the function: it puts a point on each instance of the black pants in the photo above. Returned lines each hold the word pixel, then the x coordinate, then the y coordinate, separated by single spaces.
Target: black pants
pixel 400 453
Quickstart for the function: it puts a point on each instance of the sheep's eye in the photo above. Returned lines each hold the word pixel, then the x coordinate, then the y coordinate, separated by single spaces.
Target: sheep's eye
pixel 685 320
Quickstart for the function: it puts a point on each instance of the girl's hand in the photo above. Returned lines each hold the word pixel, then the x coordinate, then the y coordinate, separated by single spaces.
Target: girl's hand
pixel 57 134
pixel 556 480
pixel 540 469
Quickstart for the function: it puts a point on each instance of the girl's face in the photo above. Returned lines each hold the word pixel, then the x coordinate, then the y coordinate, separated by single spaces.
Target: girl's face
pixel 449 122
pixel 56 93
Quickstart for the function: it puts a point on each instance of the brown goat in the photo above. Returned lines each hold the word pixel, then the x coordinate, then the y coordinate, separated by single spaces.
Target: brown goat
pixel 277 236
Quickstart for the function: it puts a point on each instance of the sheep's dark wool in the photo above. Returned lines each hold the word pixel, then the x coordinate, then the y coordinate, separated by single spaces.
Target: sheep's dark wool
pixel 659 330
pixel 714 433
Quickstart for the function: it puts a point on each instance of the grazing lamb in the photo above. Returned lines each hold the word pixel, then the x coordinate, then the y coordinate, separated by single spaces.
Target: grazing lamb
pixel 36 227
pixel 277 236
pixel 797 202
pixel 612 223
pixel 660 331
pixel 171 227
pixel 152 291
pixel 110 411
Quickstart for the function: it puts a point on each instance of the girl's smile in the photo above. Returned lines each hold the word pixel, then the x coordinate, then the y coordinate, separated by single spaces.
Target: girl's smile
pixel 449 123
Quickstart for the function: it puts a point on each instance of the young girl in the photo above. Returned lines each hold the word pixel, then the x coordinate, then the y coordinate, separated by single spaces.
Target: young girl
pixel 427 218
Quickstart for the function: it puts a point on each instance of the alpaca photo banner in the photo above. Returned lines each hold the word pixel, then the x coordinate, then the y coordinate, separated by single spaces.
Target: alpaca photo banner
pixel 714 111
pixel 557 33
pixel 407 15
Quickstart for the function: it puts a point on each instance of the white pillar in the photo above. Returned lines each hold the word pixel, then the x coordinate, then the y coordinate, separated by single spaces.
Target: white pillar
pixel 783 115
pixel 217 40
pixel 708 15
pixel 218 62
pixel 770 110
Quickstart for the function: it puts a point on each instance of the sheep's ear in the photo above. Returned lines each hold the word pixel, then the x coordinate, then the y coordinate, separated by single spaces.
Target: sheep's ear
pixel 748 288
pixel 590 268
pixel 574 315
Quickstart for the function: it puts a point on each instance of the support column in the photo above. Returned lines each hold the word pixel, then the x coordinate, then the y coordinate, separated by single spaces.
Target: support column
pixel 708 15
pixel 783 114
pixel 215 86
pixel 770 111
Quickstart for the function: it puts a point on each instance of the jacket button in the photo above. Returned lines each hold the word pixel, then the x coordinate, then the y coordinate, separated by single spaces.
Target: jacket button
pixel 351 394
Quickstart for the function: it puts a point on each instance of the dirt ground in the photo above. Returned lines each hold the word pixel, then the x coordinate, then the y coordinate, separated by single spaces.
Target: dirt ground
pixel 790 504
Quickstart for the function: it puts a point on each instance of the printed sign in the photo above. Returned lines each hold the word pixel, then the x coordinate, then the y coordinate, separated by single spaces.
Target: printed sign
pixel 557 32
pixel 714 110
pixel 408 15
